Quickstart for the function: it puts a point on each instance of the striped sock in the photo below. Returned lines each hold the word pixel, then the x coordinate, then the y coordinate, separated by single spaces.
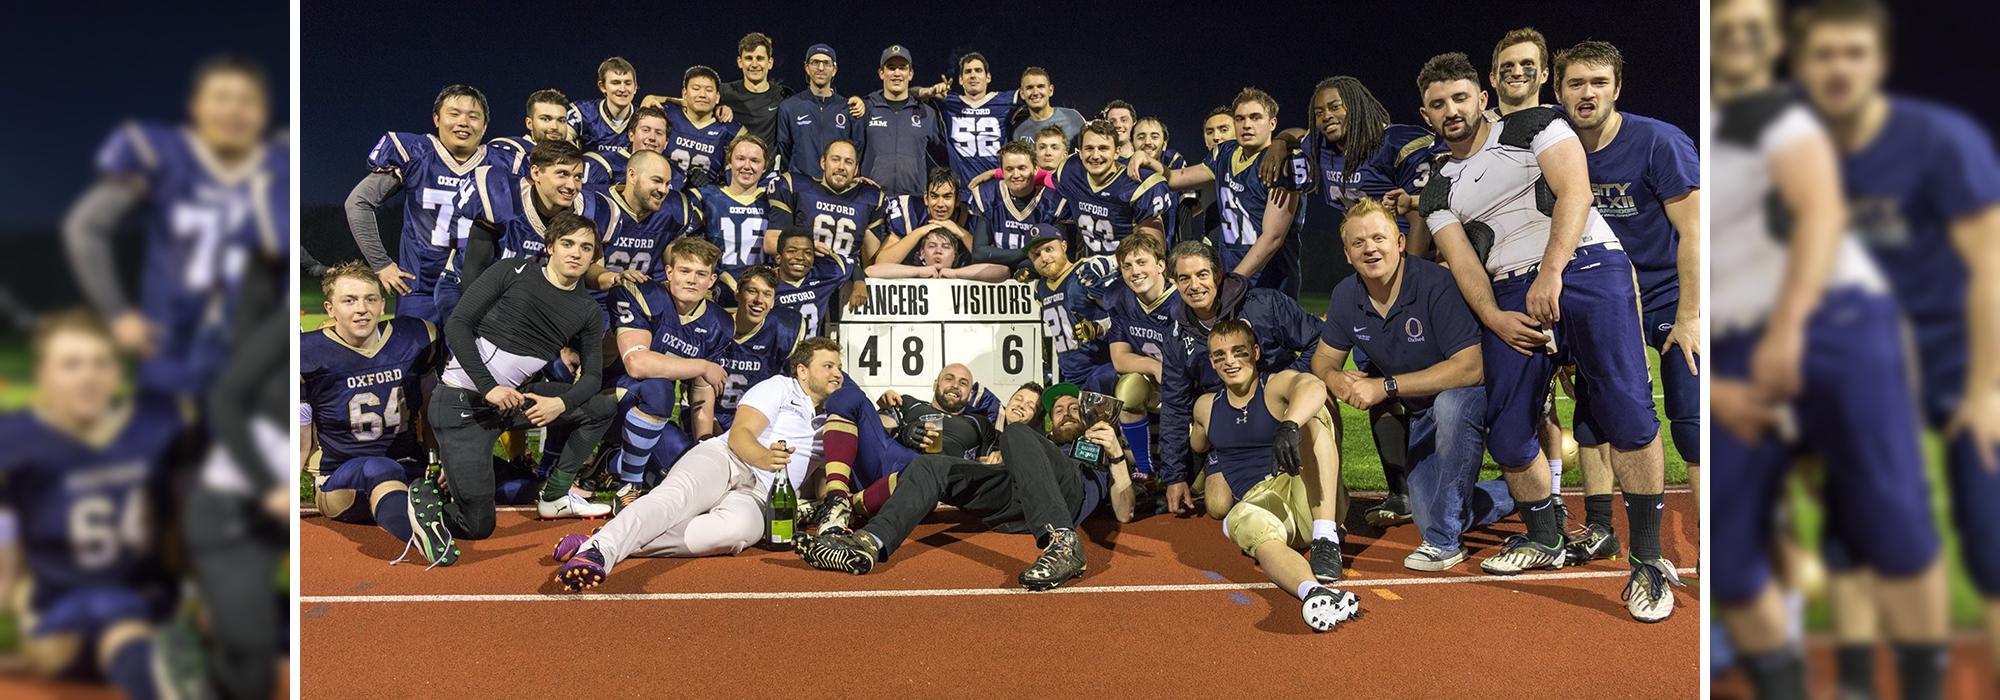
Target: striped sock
pixel 872 498
pixel 839 443
pixel 641 434
pixel 1138 442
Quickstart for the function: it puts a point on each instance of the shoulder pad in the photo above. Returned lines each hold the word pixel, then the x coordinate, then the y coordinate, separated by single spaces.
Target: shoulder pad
pixel 1436 196
pixel 1744 119
pixel 1520 128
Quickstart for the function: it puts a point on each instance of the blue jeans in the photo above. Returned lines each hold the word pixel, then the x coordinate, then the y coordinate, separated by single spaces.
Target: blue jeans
pixel 1447 447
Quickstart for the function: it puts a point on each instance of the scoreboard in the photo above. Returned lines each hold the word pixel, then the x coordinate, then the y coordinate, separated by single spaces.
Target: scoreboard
pixel 910 329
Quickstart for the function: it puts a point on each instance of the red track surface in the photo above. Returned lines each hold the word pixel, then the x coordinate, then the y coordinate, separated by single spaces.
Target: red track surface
pixel 1458 639
pixel 1969 677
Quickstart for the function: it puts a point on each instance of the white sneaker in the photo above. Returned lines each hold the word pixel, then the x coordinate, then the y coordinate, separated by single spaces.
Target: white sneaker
pixel 1649 594
pixel 572 506
pixel 1429 558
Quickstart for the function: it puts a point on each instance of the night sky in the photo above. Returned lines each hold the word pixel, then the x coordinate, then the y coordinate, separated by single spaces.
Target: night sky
pixel 370 67
pixel 76 70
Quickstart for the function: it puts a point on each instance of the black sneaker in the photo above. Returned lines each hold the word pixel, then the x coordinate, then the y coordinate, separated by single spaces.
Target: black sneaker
pixel 1061 560
pixel 1392 511
pixel 852 552
pixel 180 663
pixel 829 515
pixel 1591 542
pixel 429 536
pixel 1323 608
pixel 1325 560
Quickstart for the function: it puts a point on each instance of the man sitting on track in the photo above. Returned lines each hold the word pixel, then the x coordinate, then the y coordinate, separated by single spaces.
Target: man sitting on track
pixel 1038 487
pixel 714 500
pixel 1272 521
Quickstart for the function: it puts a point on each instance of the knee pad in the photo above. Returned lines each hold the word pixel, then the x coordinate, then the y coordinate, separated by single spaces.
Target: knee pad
pixel 1249 525
pixel 1138 392
pixel 380 470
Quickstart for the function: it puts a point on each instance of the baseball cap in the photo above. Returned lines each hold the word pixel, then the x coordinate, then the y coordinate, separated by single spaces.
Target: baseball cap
pixel 896 51
pixel 817 49
pixel 1043 232
pixel 1050 395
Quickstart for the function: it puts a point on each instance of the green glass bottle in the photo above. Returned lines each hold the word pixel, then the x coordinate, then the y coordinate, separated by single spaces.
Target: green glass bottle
pixel 784 506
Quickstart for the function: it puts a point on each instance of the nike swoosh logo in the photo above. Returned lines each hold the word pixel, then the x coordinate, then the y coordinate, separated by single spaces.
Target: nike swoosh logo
pixel 465 415
pixel 1545 506
pixel 1359 329
pixel 770 109
pixel 1586 267
pixel 803 120
pixel 1660 506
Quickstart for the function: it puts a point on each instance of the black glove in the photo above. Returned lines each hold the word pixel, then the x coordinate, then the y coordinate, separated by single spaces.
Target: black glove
pixel 1286 447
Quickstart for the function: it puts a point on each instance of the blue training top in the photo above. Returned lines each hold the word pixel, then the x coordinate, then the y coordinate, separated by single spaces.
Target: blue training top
pixel 1240 439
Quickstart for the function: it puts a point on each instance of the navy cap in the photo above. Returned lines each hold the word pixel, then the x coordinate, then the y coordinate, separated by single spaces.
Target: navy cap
pixel 1043 232
pixel 817 49
pixel 896 51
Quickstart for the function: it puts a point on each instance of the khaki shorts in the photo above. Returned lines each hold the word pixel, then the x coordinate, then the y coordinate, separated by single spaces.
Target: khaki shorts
pixel 1274 509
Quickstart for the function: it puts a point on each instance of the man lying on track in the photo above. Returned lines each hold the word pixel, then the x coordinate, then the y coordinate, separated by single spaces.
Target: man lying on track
pixel 1253 428
pixel 1037 487
pixel 713 501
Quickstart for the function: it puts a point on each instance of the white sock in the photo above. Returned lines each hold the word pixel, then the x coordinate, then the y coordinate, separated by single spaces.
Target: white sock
pixel 1305 588
pixel 1556 475
pixel 1326 530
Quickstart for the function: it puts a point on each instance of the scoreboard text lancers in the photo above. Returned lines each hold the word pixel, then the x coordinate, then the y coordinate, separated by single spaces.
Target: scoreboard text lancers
pixel 966 300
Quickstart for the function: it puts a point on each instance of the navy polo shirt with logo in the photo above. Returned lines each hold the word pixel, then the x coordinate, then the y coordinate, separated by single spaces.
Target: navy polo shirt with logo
pixel 1428 323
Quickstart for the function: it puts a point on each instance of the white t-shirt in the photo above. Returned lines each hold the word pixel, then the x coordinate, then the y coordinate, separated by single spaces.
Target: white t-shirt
pixel 1747 259
pixel 792 419
pixel 1495 185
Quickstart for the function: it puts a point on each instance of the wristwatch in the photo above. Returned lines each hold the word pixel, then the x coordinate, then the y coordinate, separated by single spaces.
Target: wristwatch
pixel 1389 386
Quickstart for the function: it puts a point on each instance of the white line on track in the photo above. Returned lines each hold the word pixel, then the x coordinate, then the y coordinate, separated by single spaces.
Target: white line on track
pixel 935 592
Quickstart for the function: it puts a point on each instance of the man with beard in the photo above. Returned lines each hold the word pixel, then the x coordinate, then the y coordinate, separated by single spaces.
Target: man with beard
pixel 1260 223
pixel 1286 339
pixel 1646 178
pixel 1250 428
pixel 510 325
pixel 1037 488
pixel 639 217
pixel 599 124
pixel 810 120
pixel 1511 211
pixel 648 133
pixel 1142 317
pixel 715 499
pixel 435 174
pixel 1520 70
pixel 843 213
pixel 547 120
pixel 961 432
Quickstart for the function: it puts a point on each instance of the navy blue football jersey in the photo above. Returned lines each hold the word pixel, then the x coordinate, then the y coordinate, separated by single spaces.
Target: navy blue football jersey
pixel 813 298
pixel 1076 299
pixel 735 224
pixel 838 220
pixel 1241 197
pixel 506 204
pixel 1008 225
pixel 699 151
pixel 1106 212
pixel 701 336
pixel 363 399
pixel 92 509
pixel 199 217
pixel 631 243
pixel 435 188
pixel 595 129
pixel 977 131
pixel 1146 327
pixel 1403 161
pixel 755 357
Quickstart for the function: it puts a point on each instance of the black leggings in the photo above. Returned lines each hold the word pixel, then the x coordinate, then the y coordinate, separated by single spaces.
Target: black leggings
pixel 236 549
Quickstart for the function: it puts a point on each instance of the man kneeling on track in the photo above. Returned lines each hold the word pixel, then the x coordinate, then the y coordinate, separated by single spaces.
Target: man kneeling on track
pixel 715 499
pixel 1281 484
pixel 1037 487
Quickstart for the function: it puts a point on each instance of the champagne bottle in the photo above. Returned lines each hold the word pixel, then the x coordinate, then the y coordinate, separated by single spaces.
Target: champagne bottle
pixel 784 505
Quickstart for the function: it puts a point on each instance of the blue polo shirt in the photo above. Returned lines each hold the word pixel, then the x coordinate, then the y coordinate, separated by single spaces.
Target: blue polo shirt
pixel 1428 323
